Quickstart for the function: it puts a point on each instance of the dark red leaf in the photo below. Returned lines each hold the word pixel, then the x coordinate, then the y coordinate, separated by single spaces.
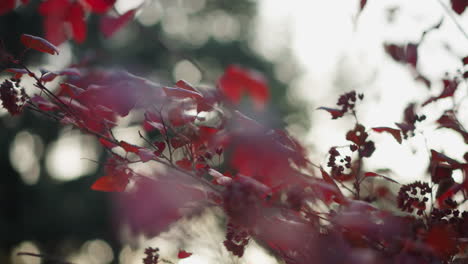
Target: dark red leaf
pixel 99 6
pixel 450 86
pixel 160 146
pixel 38 44
pixel 459 6
pixel 362 4
pixel 76 17
pixel 465 60
pixel 183 254
pixel 109 25
pixel 336 113
pixel 6 6
pixel 24 2
pixel 396 133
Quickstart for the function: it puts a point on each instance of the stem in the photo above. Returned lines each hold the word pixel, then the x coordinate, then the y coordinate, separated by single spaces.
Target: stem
pixel 454 19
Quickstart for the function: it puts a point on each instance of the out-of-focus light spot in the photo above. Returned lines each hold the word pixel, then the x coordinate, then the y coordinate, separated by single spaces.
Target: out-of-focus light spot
pixel 27 247
pixel 60 61
pixel 123 6
pixel 198 32
pixel 99 251
pixel 150 14
pixel 69 157
pixel 175 21
pixel 224 27
pixel 126 255
pixel 194 6
pixel 185 70
pixel 24 153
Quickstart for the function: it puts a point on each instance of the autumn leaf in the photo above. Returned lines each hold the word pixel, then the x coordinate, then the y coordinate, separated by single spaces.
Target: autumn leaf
pixel 396 133
pixel 38 44
pixel 110 25
pixel 373 174
pixel 336 113
pixel 183 254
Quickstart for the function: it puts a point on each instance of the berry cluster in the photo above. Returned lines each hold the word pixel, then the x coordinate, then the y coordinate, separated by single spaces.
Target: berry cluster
pixel 12 96
pixel 408 198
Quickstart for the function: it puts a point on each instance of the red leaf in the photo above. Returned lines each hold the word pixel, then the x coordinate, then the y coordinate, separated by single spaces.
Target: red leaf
pixel 184 164
pixel 109 25
pixel 99 6
pixel 38 44
pixel 53 7
pixel 186 86
pixel 76 17
pixel 107 143
pixel 336 113
pixel 6 6
pixel 110 183
pixel 72 90
pixel 161 146
pixel 183 254
pixel 237 81
pixel 129 147
pixel 396 133
pixel 373 174
pixel 459 6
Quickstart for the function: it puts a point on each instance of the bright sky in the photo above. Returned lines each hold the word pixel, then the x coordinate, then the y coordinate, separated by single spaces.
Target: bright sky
pixel 331 49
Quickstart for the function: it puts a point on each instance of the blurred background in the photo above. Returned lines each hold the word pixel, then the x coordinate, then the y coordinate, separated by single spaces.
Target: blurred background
pixel 310 52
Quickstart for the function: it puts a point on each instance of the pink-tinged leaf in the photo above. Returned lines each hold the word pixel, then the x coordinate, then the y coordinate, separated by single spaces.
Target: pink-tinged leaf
pixel 181 93
pixel 43 104
pixel 76 17
pixel 146 154
pixel 129 147
pixel 450 86
pixel 106 143
pixel 183 254
pixel 18 72
pixel 71 90
pixel 219 178
pixel 6 6
pixel 110 183
pixel 110 25
pixel 373 174
pixel 459 6
pixel 48 77
pixel 396 133
pixel 336 113
pixel 99 6
pixel 68 72
pixel 38 44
